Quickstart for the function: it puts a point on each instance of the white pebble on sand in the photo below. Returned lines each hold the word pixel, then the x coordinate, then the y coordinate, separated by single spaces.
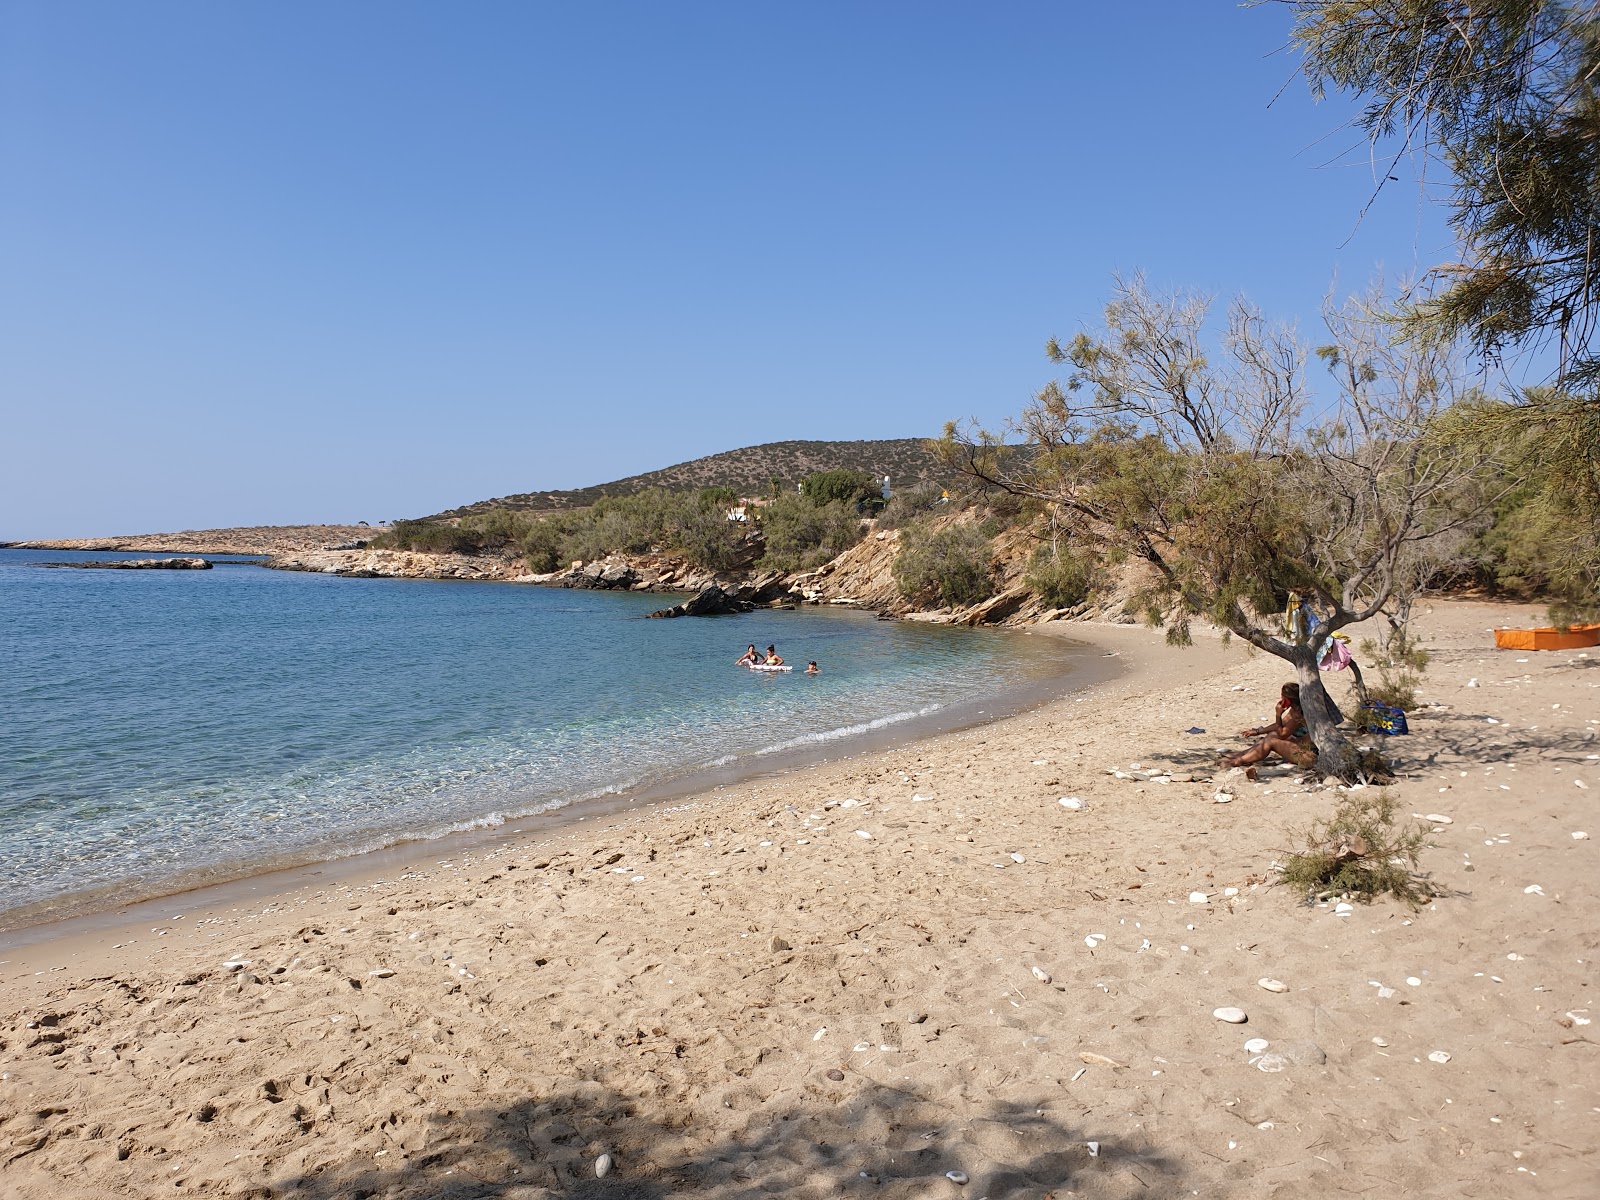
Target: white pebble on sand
pixel 382 973
pixel 1256 1045
pixel 1439 1056
pixel 1071 802
pixel 1440 819
pixel 602 1166
pixel 1533 889
pixel 1413 981
pixel 958 1178
pixel 1378 1041
pixel 862 833
pixel 1579 836
pixel 1272 985
pixel 1197 897
pixel 1234 1016
pixel 1041 974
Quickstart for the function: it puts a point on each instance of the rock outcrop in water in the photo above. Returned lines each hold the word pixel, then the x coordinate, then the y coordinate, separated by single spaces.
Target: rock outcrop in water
pixel 709 602
pixel 139 564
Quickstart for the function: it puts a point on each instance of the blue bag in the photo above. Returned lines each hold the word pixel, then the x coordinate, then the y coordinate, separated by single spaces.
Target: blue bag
pixel 1381 718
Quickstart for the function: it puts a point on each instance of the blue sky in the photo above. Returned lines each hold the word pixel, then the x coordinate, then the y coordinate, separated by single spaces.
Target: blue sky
pixel 266 263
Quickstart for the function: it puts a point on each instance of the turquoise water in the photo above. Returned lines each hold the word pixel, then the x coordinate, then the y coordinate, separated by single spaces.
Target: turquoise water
pixel 166 727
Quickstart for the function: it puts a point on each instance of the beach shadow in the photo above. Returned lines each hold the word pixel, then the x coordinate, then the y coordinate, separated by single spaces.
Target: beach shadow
pixel 853 1137
pixel 1468 739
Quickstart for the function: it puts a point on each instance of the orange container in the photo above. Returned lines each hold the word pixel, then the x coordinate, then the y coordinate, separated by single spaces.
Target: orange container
pixel 1575 638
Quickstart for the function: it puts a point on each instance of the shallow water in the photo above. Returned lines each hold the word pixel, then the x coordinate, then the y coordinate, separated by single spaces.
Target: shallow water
pixel 169 727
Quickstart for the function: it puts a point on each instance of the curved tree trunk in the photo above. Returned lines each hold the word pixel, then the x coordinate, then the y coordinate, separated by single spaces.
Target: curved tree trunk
pixel 1335 755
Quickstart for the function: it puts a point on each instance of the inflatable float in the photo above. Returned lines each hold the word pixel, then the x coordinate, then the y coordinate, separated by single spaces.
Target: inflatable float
pixel 1574 638
pixel 764 667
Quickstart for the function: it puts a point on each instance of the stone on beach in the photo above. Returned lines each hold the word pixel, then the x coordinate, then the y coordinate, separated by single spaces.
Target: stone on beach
pixel 602 1166
pixel 1272 985
pixel 1234 1016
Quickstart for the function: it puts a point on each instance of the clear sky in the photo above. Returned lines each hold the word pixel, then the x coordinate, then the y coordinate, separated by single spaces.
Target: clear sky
pixel 266 263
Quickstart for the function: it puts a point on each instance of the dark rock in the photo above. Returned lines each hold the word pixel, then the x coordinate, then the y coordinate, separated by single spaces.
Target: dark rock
pixel 711 601
pixel 140 564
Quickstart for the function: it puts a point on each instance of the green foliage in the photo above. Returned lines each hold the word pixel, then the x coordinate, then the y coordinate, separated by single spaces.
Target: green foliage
pixel 801 535
pixel 1545 536
pixel 1502 92
pixel 907 504
pixel 1400 661
pixel 844 485
pixel 1060 578
pixel 948 567
pixel 1360 852
pixel 429 537
pixel 694 524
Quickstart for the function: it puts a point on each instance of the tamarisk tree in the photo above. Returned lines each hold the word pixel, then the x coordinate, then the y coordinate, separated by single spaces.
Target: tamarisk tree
pixel 1218 467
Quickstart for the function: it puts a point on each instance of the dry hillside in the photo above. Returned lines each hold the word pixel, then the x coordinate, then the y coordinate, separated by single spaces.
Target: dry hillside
pixel 749 471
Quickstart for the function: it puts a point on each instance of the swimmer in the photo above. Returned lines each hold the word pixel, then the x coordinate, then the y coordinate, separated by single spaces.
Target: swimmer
pixel 749 658
pixel 774 659
pixel 812 668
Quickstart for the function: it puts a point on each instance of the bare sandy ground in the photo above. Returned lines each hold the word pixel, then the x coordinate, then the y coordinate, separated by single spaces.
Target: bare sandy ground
pixel 829 983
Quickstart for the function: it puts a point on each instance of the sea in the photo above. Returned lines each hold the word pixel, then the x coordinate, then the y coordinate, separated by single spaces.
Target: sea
pixel 167 729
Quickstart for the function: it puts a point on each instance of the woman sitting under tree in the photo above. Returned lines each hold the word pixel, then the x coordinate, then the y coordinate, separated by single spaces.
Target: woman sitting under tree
pixel 1287 736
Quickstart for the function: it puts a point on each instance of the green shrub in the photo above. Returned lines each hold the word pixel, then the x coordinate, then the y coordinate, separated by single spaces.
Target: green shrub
pixel 1059 577
pixel 1400 661
pixel 907 504
pixel 1359 852
pixel 801 535
pixel 947 568
pixel 429 537
pixel 844 485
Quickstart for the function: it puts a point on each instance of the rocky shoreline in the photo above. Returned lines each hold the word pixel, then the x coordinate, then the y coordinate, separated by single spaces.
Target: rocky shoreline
pixel 256 539
pixel 862 577
pixel 138 564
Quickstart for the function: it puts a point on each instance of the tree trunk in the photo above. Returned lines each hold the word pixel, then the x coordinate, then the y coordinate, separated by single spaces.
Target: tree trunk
pixel 1335 755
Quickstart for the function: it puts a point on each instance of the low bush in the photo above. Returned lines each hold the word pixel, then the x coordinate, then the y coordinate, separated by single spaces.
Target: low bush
pixel 1400 661
pixel 1359 851
pixel 907 504
pixel 851 487
pixel 948 567
pixel 429 537
pixel 801 535
pixel 1060 577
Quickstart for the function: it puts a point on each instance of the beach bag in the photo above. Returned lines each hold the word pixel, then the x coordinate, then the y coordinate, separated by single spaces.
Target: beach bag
pixel 1381 718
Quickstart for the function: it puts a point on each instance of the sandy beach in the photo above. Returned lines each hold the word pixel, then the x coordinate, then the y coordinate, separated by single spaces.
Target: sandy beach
pixel 913 972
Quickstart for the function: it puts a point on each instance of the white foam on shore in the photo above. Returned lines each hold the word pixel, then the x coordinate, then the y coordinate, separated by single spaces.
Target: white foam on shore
pixel 844 731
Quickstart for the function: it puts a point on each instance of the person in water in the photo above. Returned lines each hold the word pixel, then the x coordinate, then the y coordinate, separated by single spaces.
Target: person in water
pixel 749 658
pixel 774 659
pixel 812 668
pixel 1287 736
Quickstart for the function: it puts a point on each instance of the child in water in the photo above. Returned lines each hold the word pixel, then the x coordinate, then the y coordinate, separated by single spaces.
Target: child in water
pixel 812 669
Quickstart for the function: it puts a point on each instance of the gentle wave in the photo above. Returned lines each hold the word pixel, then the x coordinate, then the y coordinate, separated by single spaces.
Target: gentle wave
pixel 845 731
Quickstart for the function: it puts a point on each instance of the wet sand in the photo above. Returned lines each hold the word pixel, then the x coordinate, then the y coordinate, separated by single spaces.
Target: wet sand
pixel 828 981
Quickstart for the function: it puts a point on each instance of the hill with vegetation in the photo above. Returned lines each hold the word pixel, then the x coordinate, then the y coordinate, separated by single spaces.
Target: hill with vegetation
pixel 752 471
